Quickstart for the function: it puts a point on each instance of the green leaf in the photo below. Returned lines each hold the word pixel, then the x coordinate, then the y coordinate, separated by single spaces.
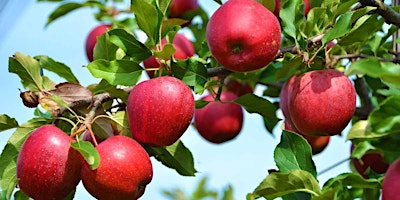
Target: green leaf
pixel 7 122
pixel 255 104
pixel 69 7
pixel 114 92
pixel 191 71
pixel 147 18
pixel 294 152
pixel 353 180
pixel 288 16
pixel 105 49
pixel 175 156
pixel 57 67
pixel 28 70
pixel 88 152
pixel 386 119
pixel 278 184
pixel 362 31
pixel 19 195
pixel 200 103
pixel 387 71
pixel 341 28
pixel 116 72
pixel 121 120
pixel 167 51
pixel 361 130
pixel 129 44
pixel 8 157
pixel 163 5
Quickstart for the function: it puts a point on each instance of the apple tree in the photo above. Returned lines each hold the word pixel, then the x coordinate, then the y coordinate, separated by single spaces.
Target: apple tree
pixel 324 63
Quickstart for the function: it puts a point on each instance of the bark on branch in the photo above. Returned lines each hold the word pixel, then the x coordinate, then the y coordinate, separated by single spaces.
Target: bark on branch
pixel 390 15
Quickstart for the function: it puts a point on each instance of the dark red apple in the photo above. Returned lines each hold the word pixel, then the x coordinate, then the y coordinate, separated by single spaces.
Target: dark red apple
pixel 243 35
pixel 91 39
pixel 321 102
pixel 160 110
pixel 184 49
pixel 179 7
pixel 372 160
pixel 237 87
pixel 47 167
pixel 123 173
pixel 391 183
pixel 317 143
pixel 219 122
pixel 307 7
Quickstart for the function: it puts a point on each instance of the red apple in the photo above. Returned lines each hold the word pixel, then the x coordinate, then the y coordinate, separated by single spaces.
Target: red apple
pixel 47 167
pixel 317 143
pixel 160 110
pixel 283 103
pixel 180 7
pixel 219 122
pixel 372 160
pixel 321 102
pixel 243 35
pixel 91 39
pixel 307 7
pixel 277 8
pixel 391 184
pixel 237 87
pixel 123 173
pixel 184 49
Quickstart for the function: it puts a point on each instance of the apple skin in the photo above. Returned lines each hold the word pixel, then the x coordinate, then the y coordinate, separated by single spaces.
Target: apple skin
pixel 243 35
pixel 307 7
pixel 373 160
pixel 391 184
pixel 184 49
pixel 284 98
pixel 47 167
pixel 219 122
pixel 317 143
pixel 91 39
pixel 123 173
pixel 321 102
pixel 160 110
pixel 180 7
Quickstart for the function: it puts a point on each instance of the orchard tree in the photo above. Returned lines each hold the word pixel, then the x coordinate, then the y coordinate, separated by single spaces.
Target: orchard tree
pixel 315 58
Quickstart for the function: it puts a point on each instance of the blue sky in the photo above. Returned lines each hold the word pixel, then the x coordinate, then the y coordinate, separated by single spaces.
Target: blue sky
pixel 243 162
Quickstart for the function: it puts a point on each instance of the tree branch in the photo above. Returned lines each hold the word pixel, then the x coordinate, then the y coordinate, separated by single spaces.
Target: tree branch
pixel 390 15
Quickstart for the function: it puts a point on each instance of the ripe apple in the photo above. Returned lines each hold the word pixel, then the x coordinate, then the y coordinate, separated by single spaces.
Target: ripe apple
pixel 160 110
pixel 307 7
pixel 283 103
pixel 47 168
pixel 321 102
pixel 391 184
pixel 373 160
pixel 237 87
pixel 219 122
pixel 184 49
pixel 91 39
pixel 317 143
pixel 179 7
pixel 243 35
pixel 123 173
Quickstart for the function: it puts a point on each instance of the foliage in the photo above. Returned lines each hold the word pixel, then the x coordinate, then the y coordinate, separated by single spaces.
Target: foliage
pixel 362 49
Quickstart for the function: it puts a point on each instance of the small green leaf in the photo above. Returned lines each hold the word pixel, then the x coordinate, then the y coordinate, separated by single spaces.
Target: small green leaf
pixel 365 27
pixel 163 5
pixel 353 180
pixel 7 122
pixel 28 70
pixel 88 152
pixel 192 72
pixel 63 10
pixel 114 92
pixel 147 18
pixel 278 184
pixel 167 51
pixel 341 28
pixel 387 71
pixel 19 195
pixel 9 179
pixel 386 119
pixel 175 156
pixel 129 44
pixel 57 67
pixel 255 104
pixel 105 49
pixel 116 72
pixel 294 152
pixel 121 120
pixel 201 103
pixel 288 16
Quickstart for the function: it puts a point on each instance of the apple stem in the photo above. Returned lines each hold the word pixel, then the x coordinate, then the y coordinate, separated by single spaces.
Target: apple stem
pixel 333 166
pixel 220 87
